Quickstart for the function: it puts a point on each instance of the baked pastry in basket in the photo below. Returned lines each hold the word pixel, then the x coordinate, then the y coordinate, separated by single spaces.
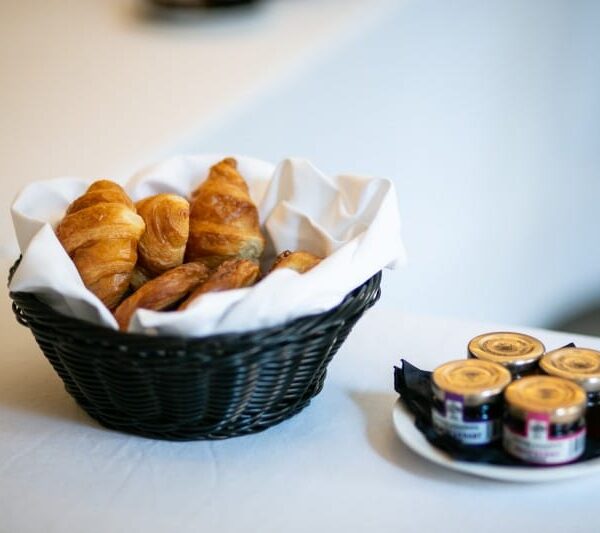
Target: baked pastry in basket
pixel 231 274
pixel 162 292
pixel 100 232
pixel 223 219
pixel 299 261
pixel 162 245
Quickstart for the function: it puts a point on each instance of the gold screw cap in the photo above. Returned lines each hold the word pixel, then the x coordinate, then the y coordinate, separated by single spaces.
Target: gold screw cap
pixel 506 348
pixel 581 365
pixel 473 379
pixel 560 399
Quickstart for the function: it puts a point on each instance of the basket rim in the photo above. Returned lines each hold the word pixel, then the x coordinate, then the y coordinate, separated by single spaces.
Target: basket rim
pixel 122 337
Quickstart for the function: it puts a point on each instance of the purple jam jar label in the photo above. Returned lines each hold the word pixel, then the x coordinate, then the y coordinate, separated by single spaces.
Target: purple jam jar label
pixel 452 422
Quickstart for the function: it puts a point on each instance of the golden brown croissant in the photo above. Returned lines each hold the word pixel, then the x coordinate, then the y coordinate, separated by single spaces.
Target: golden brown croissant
pixel 231 274
pixel 163 291
pixel 100 232
pixel 162 245
pixel 299 261
pixel 223 218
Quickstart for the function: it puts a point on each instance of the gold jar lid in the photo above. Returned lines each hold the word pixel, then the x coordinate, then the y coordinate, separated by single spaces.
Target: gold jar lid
pixel 476 381
pixel 513 350
pixel 581 365
pixel 562 400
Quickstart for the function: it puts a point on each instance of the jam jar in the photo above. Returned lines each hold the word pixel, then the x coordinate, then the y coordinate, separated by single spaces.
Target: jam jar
pixel 581 365
pixel 517 352
pixel 467 400
pixel 544 420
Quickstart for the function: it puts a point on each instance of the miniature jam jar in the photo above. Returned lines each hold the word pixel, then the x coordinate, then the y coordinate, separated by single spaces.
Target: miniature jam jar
pixel 544 420
pixel 467 400
pixel 517 352
pixel 582 366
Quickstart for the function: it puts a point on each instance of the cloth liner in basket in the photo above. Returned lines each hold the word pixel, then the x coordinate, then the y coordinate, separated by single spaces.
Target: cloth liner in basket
pixel 239 361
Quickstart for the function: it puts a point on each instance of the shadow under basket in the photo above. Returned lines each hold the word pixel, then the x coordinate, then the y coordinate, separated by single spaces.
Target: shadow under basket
pixel 193 388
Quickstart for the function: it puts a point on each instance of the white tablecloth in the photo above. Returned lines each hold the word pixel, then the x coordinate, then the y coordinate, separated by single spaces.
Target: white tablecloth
pixel 337 466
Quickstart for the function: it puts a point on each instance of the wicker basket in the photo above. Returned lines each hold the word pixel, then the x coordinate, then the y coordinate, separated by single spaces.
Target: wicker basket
pixel 196 388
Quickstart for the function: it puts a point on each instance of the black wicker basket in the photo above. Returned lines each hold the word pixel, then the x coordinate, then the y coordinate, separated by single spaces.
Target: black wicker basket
pixel 193 388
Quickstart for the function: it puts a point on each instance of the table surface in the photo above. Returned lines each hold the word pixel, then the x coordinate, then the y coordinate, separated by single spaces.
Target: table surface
pixel 338 465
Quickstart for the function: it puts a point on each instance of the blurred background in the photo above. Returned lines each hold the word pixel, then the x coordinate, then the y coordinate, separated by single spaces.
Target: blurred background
pixel 485 114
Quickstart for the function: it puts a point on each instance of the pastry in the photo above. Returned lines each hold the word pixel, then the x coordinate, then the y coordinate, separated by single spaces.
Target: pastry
pixel 162 245
pixel 299 261
pixel 162 291
pixel 231 274
pixel 100 232
pixel 223 218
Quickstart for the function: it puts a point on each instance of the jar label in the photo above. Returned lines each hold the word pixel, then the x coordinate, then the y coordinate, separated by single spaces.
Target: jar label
pixel 538 447
pixel 467 432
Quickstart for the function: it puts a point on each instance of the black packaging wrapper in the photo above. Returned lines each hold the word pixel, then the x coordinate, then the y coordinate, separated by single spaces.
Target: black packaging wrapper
pixel 414 387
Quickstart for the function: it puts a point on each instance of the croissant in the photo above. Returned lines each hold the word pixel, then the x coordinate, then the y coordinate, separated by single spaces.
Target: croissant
pixel 141 275
pixel 299 261
pixel 223 218
pixel 231 274
pixel 100 232
pixel 162 291
pixel 162 245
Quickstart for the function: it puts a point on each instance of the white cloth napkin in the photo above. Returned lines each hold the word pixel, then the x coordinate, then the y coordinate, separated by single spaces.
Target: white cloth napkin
pixel 352 221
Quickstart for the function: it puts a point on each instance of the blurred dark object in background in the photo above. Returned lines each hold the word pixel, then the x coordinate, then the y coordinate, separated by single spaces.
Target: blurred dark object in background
pixel 203 3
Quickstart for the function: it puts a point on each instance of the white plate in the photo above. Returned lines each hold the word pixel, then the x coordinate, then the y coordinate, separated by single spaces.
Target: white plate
pixel 416 441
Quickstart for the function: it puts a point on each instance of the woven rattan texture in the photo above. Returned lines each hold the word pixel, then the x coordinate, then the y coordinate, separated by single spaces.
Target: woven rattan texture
pixel 197 388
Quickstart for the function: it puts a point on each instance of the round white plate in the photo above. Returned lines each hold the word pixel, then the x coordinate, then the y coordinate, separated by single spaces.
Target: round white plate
pixel 416 441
